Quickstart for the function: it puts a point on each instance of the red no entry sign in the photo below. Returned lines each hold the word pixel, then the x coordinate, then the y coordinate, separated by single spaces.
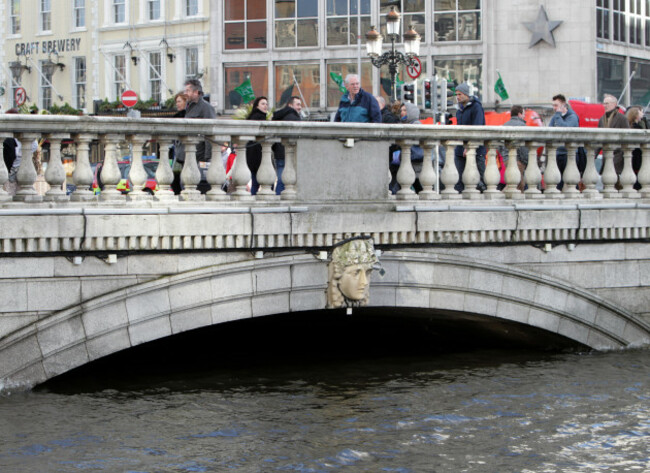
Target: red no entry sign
pixel 129 98
pixel 20 96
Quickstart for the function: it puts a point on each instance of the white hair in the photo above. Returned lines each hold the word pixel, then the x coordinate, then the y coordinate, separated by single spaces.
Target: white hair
pixel 349 77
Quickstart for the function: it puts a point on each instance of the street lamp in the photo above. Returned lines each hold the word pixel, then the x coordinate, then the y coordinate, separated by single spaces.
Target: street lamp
pixel 393 58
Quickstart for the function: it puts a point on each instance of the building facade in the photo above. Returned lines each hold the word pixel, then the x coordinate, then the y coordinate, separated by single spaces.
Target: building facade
pixel 582 48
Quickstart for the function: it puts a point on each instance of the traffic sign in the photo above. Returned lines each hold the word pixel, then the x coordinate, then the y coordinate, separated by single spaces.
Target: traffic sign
pixel 415 69
pixel 129 98
pixel 20 96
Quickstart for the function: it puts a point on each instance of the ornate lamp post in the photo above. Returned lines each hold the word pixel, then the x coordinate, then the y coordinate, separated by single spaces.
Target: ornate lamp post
pixel 393 58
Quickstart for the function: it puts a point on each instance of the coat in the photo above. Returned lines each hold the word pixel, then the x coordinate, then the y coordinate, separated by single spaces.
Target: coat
pixel 253 149
pixel 470 114
pixel 201 109
pixel 287 114
pixel 364 109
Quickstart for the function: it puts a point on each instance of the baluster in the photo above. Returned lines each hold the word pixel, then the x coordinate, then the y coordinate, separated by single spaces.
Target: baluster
pixel 405 173
pixel 26 175
pixel 4 173
pixel 552 176
pixel 82 176
pixel 571 174
pixel 609 175
pixel 492 175
pixel 628 178
pixel 266 173
pixel 289 174
pixel 644 172
pixel 110 174
pixel 190 175
pixel 471 175
pixel 428 177
pixel 449 175
pixel 532 173
pixel 137 174
pixel 240 172
pixel 216 175
pixel 55 172
pixel 590 176
pixel 164 173
pixel 513 174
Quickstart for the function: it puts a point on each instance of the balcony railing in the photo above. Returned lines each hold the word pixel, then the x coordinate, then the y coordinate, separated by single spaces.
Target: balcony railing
pixel 364 147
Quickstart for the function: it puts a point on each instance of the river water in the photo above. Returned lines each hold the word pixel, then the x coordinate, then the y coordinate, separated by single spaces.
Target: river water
pixel 487 410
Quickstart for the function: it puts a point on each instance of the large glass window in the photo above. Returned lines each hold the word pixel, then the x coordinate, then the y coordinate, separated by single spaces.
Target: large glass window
pixel 341 70
pixel 46 15
pixel 459 71
pixel 640 84
pixel 635 22
pixel 245 24
pixel 15 16
pixel 191 7
pixel 296 23
pixel 647 22
pixel 191 63
pixel 346 21
pixel 236 76
pixel 611 75
pixel 80 82
pixel 411 13
pixel 79 13
pixel 119 75
pixel 46 85
pixel 119 11
pixel 307 77
pixel 153 9
pixel 618 16
pixel 602 19
pixel 457 20
pixel 155 76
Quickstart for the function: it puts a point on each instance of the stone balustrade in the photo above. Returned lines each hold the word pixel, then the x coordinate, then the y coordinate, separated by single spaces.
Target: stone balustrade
pixel 324 161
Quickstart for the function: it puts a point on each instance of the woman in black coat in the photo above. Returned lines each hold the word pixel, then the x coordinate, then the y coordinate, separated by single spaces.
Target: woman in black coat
pixel 253 149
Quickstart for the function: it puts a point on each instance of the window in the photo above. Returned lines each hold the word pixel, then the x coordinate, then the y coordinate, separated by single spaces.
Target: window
pixel 191 7
pixel 411 13
pixel 191 63
pixel 459 71
pixel 347 20
pixel 153 9
pixel 15 85
pixel 647 23
pixel 119 77
pixel 119 11
pixel 306 75
pixel 402 76
pixel 342 70
pixel 245 24
pixel 46 15
pixel 619 20
pixel 14 15
pixel 46 85
pixel 155 76
pixel 457 20
pixel 79 13
pixel 237 75
pixel 602 19
pixel 610 76
pixel 635 22
pixel 296 23
pixel 80 82
pixel 640 84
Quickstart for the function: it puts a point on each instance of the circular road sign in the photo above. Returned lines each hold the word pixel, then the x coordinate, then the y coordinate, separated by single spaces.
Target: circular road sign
pixel 414 70
pixel 129 98
pixel 20 96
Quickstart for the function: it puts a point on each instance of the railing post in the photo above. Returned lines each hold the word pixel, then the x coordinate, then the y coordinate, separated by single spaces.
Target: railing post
pixel 492 175
pixel 405 173
pixel 513 174
pixel 110 173
pixel 4 173
pixel 590 176
pixel 609 175
pixel 137 174
pixel 552 176
pixel 82 176
pixel 240 172
pixel 628 178
pixel 164 173
pixel 644 172
pixel 55 172
pixel 289 173
pixel 571 174
pixel 216 174
pixel 428 176
pixel 532 173
pixel 471 175
pixel 26 175
pixel 449 175
pixel 190 175
pixel 266 173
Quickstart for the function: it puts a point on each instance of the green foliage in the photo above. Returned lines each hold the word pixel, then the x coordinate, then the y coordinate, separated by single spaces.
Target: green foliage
pixel 65 109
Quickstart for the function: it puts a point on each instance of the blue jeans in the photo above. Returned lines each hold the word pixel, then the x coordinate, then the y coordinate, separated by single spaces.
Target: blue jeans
pixel 279 169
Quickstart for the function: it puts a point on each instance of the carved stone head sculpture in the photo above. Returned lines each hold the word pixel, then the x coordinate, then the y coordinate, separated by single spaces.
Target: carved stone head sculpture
pixel 349 273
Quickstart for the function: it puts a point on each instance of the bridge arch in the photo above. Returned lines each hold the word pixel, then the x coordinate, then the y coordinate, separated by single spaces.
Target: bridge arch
pixel 292 283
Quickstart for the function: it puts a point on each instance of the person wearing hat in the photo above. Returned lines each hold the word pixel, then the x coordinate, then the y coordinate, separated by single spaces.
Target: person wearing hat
pixel 470 112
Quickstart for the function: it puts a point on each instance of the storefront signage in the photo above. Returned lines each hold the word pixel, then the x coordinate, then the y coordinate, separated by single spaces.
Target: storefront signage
pixel 49 46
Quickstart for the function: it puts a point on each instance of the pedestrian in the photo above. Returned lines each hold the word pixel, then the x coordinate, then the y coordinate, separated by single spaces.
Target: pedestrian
pixel 386 115
pixel 357 105
pixel 253 149
pixel 613 118
pixel 470 112
pixel 289 113
pixel 517 118
pixel 178 152
pixel 563 117
pixel 635 121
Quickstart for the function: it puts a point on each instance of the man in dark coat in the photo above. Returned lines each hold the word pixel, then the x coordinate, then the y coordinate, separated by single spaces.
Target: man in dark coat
pixel 290 113
pixel 470 112
pixel 614 119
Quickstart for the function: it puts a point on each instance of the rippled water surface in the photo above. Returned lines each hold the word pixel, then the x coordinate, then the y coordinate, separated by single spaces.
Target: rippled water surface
pixel 486 411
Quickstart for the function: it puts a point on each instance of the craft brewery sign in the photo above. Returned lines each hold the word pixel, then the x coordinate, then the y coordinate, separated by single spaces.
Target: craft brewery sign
pixel 49 46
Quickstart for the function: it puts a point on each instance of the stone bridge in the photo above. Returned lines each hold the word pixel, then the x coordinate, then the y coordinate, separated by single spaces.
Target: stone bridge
pixel 84 276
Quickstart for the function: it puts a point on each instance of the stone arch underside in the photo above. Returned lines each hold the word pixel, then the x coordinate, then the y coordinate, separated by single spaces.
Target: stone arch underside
pixel 222 293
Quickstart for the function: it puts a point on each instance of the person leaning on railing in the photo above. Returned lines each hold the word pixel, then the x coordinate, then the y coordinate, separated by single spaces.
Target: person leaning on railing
pixel 470 112
pixel 613 118
pixel 566 118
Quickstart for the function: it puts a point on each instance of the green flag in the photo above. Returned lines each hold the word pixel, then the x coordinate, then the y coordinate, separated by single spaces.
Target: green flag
pixel 500 89
pixel 246 90
pixel 338 78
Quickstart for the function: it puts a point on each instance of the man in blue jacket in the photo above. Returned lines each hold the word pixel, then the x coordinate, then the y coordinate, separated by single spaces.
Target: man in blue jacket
pixel 357 105
pixel 470 112
pixel 566 118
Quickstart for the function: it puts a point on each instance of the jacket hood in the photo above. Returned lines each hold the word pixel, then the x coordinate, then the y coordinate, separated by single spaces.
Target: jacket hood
pixel 412 113
pixel 284 112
